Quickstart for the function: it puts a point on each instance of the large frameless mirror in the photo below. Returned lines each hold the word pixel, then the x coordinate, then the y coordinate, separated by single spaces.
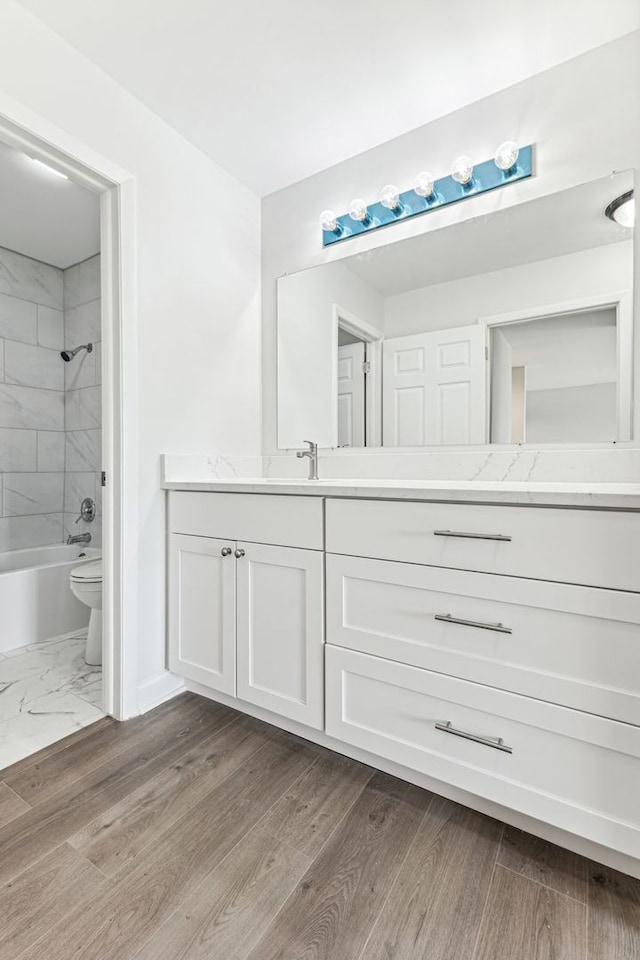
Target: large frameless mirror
pixel 515 327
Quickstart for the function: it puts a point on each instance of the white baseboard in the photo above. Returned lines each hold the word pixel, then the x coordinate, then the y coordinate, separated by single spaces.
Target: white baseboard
pixel 153 692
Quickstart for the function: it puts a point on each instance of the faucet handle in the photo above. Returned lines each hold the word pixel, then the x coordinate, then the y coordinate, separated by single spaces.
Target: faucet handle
pixel 87 510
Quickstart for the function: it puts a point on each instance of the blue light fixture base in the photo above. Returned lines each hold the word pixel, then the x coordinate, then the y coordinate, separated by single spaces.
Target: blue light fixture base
pixel 486 176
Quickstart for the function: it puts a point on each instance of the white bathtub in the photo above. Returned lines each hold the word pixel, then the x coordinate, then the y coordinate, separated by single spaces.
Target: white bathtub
pixel 35 599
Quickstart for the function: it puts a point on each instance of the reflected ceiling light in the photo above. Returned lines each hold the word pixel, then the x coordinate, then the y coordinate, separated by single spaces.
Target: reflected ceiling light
pixel 46 166
pixel 506 156
pixel 462 170
pixel 622 210
pixel 358 210
pixel 390 197
pixel 423 184
pixel 329 222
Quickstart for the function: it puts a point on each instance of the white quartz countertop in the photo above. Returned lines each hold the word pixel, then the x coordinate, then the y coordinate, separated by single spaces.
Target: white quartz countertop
pixel 620 496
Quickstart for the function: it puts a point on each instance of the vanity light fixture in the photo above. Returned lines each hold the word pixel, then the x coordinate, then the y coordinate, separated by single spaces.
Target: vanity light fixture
pixel 506 156
pixel 423 184
pixel 359 212
pixel 390 198
pixel 622 210
pixel 329 222
pixel 462 170
pixel 509 164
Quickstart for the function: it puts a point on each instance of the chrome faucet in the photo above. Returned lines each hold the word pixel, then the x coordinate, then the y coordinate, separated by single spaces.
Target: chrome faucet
pixel 79 538
pixel 312 454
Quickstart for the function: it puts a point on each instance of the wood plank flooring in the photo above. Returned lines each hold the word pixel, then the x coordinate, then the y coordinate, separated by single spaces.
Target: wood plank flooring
pixel 196 832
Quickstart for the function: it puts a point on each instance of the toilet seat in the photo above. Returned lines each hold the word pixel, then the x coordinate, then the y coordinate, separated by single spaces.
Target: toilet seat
pixel 88 572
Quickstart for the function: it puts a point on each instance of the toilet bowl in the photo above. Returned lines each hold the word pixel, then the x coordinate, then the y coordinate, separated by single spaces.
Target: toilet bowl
pixel 86 584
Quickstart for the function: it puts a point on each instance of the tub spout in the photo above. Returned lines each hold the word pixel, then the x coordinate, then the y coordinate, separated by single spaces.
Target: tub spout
pixel 79 538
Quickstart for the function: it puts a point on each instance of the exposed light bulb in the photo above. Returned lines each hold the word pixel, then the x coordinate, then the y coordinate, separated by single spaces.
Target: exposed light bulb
pixel 358 210
pixel 423 184
pixel 462 170
pixel 57 173
pixel 506 156
pixel 390 197
pixel 329 222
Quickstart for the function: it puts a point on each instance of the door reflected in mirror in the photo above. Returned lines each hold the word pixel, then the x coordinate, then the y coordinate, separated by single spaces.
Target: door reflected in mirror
pixel 512 328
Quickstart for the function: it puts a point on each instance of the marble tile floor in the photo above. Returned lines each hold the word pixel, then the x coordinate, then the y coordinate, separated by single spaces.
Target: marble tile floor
pixel 47 691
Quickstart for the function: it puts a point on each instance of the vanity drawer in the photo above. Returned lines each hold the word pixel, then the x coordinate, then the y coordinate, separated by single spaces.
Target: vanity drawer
pixel 571 645
pixel 571 546
pixel 561 766
pixel 257 518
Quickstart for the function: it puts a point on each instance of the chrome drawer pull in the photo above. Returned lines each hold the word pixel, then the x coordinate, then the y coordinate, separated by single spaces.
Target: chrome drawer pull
pixel 498 627
pixel 496 742
pixel 472 536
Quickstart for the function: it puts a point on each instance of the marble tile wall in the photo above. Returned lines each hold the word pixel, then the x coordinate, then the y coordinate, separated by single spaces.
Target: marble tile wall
pixel 83 394
pixel 32 408
pixel 50 411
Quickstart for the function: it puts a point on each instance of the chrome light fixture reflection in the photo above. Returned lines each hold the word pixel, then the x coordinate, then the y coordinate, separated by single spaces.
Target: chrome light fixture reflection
pixel 622 210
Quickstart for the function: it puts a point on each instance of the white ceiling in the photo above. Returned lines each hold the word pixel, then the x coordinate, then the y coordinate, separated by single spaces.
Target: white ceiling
pixel 277 90
pixel 44 216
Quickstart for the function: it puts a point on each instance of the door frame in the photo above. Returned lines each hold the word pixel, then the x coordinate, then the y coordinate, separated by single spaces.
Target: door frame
pixel 373 337
pixel 622 302
pixel 32 134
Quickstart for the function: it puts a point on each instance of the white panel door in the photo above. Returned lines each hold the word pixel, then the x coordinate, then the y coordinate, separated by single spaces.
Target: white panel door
pixel 202 606
pixel 351 395
pixel 281 631
pixel 434 388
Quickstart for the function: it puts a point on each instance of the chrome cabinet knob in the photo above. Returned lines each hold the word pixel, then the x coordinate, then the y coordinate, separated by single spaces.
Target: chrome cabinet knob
pixel 226 551
pixel 239 553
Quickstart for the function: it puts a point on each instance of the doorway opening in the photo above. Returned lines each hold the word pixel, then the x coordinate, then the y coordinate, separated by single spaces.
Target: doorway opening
pixel 62 401
pixel 358 373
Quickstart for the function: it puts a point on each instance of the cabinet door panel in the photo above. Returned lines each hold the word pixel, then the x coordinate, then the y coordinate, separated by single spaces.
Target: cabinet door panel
pixel 202 611
pixel 280 631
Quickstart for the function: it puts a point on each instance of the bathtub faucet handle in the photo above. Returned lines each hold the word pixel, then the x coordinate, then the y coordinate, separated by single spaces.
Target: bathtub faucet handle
pixel 87 510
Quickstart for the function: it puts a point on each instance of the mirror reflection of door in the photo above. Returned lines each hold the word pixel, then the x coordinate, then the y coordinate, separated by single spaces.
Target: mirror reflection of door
pixel 352 390
pixel 434 388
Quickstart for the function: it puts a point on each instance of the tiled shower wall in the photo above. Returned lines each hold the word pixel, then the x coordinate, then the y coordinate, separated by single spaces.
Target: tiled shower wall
pixel 83 414
pixel 49 448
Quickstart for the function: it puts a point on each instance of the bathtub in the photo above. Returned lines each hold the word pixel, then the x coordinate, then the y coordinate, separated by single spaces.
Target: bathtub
pixel 35 599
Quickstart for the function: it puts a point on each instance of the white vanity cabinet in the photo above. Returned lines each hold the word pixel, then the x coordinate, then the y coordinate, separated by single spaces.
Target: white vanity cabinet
pixel 246 611
pixel 495 649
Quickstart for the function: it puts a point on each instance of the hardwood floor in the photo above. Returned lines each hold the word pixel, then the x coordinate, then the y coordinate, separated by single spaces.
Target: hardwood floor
pixel 196 832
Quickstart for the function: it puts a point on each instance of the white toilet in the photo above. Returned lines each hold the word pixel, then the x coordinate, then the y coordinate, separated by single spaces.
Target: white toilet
pixel 86 585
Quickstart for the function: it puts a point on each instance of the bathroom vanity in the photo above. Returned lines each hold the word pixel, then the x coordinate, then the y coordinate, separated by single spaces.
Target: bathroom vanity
pixel 480 640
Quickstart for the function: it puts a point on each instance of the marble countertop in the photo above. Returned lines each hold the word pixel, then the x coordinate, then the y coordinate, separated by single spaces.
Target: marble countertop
pixel 620 496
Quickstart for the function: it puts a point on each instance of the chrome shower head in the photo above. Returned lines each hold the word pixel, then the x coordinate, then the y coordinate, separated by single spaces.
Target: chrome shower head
pixel 70 354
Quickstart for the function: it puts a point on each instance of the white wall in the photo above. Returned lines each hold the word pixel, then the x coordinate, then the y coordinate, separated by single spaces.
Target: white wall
pixel 197 251
pixel 582 117
pixel 307 397
pixel 601 270
pixel 571 414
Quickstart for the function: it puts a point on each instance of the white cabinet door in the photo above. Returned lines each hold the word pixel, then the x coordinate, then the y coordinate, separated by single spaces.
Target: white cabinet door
pixel 202 611
pixel 281 631
pixel 433 388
